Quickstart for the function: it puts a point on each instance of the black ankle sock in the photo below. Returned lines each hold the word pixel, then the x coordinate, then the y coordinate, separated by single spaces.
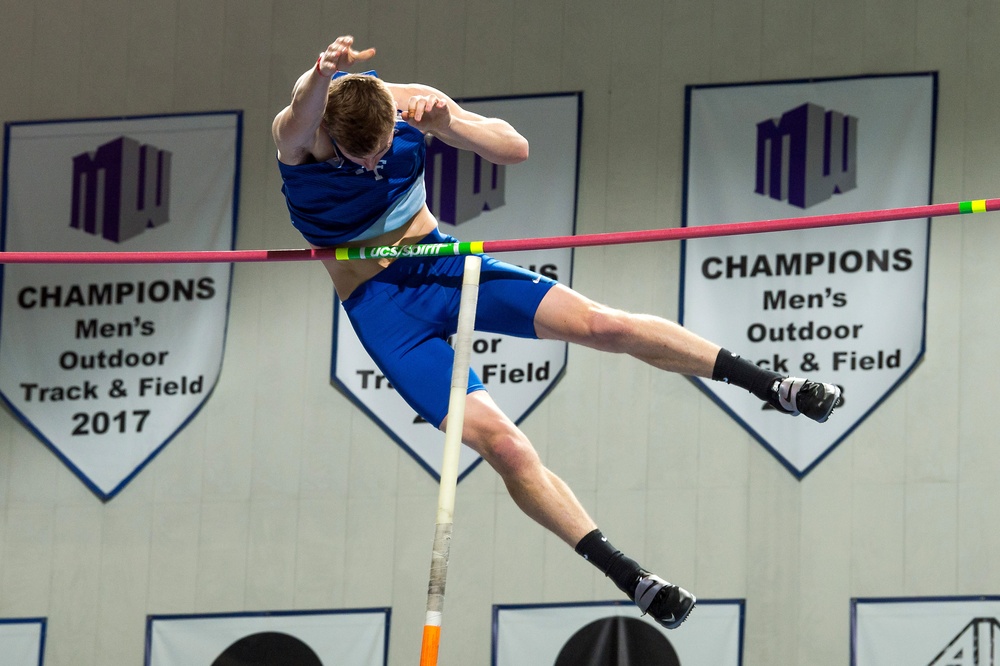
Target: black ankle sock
pixel 620 568
pixel 732 369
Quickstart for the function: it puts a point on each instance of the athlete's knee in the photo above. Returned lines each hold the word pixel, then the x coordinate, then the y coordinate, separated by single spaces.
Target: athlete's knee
pixel 609 328
pixel 509 452
pixel 491 434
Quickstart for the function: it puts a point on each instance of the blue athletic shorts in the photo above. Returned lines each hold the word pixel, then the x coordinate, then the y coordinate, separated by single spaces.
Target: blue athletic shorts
pixel 405 314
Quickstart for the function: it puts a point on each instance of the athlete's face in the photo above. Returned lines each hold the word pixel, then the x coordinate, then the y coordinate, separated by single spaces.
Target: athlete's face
pixel 370 161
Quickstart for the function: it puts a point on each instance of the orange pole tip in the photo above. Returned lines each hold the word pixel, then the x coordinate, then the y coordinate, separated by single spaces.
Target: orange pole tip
pixel 429 648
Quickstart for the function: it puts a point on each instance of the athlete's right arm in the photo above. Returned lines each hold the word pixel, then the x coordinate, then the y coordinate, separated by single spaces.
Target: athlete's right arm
pixel 294 128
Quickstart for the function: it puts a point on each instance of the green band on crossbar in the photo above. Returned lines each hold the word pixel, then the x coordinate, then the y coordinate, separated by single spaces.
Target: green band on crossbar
pixel 410 251
pixel 975 206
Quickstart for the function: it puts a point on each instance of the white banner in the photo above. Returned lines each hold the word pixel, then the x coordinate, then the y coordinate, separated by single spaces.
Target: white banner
pixel 22 641
pixel 305 638
pixel 842 305
pixel 533 199
pixel 957 631
pixel 615 634
pixel 105 364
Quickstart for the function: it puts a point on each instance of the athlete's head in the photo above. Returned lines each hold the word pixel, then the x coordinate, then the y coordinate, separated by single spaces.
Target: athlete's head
pixel 360 115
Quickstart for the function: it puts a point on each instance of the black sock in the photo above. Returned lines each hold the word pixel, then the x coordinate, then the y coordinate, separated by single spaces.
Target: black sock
pixel 620 568
pixel 732 369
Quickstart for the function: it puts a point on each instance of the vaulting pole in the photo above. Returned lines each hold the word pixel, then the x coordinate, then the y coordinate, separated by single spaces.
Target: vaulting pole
pixel 449 465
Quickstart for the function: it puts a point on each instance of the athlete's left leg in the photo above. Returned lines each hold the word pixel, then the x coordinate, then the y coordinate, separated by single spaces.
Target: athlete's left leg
pixel 565 314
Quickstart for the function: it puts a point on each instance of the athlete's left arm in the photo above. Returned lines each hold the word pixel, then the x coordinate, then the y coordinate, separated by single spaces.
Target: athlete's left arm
pixel 433 112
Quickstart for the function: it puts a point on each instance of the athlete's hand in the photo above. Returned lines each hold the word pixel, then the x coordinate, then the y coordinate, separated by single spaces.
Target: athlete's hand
pixel 340 55
pixel 427 112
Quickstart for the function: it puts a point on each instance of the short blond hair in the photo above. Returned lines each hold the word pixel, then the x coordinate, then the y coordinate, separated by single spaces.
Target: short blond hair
pixel 360 113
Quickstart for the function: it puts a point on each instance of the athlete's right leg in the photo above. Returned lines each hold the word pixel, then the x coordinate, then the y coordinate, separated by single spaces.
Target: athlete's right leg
pixel 538 492
pixel 547 499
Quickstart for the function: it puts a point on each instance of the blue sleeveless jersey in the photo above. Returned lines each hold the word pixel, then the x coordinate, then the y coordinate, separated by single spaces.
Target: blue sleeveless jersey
pixel 338 201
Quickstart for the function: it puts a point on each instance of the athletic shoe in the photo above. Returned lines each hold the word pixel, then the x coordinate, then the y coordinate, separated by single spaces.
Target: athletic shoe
pixel 667 604
pixel 815 400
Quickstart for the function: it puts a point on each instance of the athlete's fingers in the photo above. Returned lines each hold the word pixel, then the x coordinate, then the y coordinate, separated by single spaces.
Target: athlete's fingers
pixel 418 104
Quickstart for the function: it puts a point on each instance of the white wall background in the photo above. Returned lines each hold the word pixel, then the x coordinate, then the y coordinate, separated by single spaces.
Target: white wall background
pixel 282 495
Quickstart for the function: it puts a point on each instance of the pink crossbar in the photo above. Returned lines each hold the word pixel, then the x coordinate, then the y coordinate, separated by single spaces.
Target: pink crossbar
pixel 586 240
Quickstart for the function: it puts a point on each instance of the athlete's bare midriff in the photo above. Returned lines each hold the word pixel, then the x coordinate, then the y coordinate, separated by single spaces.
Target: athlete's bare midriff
pixel 348 275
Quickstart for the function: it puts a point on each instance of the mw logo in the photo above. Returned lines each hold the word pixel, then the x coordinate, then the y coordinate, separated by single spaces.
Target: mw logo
pixel 121 189
pixel 807 156
pixel 460 184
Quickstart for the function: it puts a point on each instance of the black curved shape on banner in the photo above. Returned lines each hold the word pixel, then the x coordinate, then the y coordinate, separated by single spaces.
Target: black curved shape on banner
pixel 269 648
pixel 618 641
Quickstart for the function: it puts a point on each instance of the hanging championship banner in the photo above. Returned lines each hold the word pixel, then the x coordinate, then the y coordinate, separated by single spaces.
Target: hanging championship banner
pixel 303 638
pixel 475 200
pixel 946 631
pixel 105 364
pixel 840 305
pixel 22 641
pixel 615 634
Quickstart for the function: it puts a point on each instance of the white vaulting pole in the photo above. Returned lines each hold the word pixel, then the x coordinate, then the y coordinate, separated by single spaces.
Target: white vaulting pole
pixel 449 465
